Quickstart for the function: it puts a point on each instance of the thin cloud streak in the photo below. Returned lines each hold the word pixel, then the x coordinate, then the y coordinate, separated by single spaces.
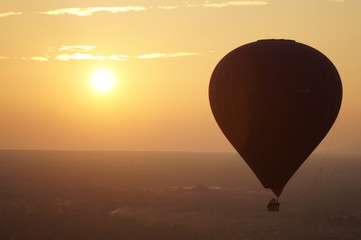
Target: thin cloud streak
pixel 36 58
pixel 168 7
pixel 235 3
pixel 86 52
pixel 7 14
pixel 166 55
pixel 117 57
pixel 86 56
pixel 40 59
pixel 75 48
pixel 90 11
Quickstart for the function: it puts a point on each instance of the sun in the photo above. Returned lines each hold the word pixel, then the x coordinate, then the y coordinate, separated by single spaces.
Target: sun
pixel 102 80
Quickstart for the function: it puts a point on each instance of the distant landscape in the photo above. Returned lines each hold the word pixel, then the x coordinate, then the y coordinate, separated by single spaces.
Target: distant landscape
pixel 75 195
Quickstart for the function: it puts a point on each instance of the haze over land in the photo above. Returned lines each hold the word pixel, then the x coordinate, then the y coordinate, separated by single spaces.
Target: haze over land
pixel 153 195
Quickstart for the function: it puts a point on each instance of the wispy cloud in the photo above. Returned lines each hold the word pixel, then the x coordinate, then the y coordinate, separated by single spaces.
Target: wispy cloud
pixel 40 59
pixel 87 56
pixel 166 55
pixel 36 58
pixel 236 3
pixel 91 11
pixel 7 14
pixel 168 7
pixel 117 57
pixel 82 52
pixel 76 48
pixel 89 52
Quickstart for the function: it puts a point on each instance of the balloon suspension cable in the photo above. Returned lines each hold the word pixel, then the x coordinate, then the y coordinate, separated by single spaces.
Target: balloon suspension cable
pixel 320 169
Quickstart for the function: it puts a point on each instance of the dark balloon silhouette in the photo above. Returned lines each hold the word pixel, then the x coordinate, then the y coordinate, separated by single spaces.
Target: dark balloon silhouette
pixel 275 100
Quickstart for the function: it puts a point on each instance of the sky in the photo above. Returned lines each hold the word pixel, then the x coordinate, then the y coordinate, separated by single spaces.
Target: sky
pixel 161 54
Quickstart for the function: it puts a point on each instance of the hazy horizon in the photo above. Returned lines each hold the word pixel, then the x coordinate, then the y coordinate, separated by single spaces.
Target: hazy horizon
pixel 325 154
pixel 102 195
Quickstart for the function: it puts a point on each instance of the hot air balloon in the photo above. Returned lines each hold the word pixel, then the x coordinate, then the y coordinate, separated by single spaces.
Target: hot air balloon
pixel 275 100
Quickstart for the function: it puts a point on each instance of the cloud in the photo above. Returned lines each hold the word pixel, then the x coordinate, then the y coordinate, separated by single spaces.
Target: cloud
pixel 74 52
pixel 78 56
pixel 89 52
pixel 117 57
pixel 36 58
pixel 40 59
pixel 152 55
pixel 90 11
pixel 7 14
pixel 166 55
pixel 86 56
pixel 76 48
pixel 168 7
pixel 236 3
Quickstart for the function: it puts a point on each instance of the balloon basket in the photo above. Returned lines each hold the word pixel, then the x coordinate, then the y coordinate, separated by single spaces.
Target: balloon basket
pixel 273 205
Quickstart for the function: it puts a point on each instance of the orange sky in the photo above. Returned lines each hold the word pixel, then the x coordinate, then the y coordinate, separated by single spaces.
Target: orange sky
pixel 162 54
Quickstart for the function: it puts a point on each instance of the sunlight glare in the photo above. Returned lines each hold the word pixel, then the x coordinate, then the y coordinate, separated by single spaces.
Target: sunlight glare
pixel 102 81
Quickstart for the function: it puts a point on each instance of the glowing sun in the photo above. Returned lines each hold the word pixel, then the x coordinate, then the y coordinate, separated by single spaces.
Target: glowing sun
pixel 102 81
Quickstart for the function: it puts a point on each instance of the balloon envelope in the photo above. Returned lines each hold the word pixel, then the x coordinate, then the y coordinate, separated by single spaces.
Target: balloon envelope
pixel 275 100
